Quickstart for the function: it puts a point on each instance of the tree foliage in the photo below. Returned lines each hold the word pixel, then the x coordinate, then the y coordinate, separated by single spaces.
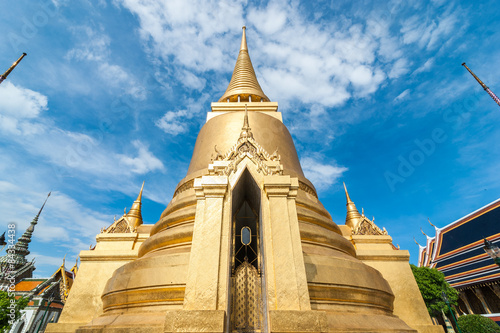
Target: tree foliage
pixel 431 283
pixel 477 324
pixel 10 309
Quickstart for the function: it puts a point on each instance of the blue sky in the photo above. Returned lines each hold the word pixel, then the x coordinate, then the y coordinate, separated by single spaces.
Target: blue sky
pixel 114 92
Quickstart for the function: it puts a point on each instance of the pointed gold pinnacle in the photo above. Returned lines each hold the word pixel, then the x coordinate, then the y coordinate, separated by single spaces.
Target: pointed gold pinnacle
pixel 352 218
pixel 134 215
pixel 244 86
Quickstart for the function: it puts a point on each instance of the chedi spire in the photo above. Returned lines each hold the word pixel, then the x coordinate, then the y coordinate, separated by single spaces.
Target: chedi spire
pixel 353 216
pixel 134 215
pixel 244 86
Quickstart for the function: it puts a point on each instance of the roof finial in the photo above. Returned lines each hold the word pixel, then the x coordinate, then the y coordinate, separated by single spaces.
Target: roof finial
pixel 423 232
pixel 492 95
pixel 352 218
pixel 243 46
pixel 416 242
pixel 74 269
pixel 246 131
pixel 4 75
pixel 428 219
pixel 244 86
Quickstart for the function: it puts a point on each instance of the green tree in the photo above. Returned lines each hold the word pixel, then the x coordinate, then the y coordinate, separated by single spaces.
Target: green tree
pixel 477 324
pixel 431 283
pixel 6 320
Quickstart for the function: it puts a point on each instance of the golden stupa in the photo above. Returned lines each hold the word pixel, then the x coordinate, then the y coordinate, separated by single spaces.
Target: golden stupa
pixel 245 245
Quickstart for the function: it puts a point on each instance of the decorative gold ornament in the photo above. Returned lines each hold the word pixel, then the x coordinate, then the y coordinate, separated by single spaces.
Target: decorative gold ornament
pixel 246 146
pixel 368 227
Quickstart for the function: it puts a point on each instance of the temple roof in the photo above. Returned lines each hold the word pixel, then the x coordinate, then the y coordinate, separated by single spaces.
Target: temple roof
pixel 457 249
pixel 244 81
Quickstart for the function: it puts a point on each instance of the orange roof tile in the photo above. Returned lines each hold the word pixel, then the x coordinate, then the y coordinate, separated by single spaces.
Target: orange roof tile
pixel 28 285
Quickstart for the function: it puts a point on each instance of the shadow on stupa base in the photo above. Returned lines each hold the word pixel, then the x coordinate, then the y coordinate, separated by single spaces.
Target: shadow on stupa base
pixel 279 321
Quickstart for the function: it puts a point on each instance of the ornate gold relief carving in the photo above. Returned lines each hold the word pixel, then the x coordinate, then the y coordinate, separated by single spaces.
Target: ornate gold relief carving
pixel 184 187
pixel 246 146
pixel 119 226
pixel 368 227
pixel 306 188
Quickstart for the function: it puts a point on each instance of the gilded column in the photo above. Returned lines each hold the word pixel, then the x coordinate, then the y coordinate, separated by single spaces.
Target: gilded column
pixel 288 281
pixel 203 272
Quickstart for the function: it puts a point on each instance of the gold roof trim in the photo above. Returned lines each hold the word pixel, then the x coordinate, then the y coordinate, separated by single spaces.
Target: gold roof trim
pixel 244 86
pixel 65 283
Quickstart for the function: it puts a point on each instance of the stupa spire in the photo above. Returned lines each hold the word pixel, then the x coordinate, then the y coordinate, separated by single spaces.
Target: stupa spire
pixel 353 216
pixel 244 86
pixel 21 247
pixel 4 75
pixel 491 93
pixel 134 215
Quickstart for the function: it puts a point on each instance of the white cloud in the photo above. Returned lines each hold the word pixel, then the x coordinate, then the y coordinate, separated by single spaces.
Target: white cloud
pixel 169 24
pixel 63 222
pixel 95 47
pixel 177 122
pixel 425 67
pixel 269 21
pixel 21 102
pixel 430 33
pixel 144 162
pixel 65 149
pixel 402 96
pixel 18 106
pixel 190 80
pixel 117 77
pixel 65 225
pixel 305 62
pixel 400 67
pixel 172 122
pixel 321 175
pixel 43 260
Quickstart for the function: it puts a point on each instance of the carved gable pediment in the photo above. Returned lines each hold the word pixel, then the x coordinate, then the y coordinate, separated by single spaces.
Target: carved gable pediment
pixel 121 225
pixel 368 227
pixel 246 146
